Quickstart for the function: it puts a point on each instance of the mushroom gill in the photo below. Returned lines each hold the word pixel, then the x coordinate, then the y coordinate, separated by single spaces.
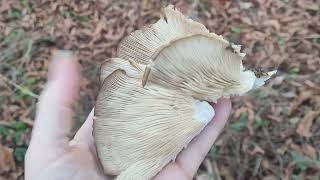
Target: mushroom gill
pixel 153 98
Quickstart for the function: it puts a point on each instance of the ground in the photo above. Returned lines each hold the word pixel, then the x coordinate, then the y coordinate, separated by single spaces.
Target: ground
pixel 273 133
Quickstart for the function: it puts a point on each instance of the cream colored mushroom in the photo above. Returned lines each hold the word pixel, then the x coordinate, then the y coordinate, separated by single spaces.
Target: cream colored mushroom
pixel 153 99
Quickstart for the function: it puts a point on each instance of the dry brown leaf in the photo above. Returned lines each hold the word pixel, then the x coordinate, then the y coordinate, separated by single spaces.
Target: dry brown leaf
pixel 5 5
pixel 265 164
pixel 306 123
pixel 309 151
pixel 308 4
pixel 257 150
pixel 312 85
pixel 245 5
pixel 288 171
pixel 226 172
pixel 316 100
pixel 272 22
pixel 285 146
pixel 239 111
pixel 289 94
pixel 274 118
pixel 7 162
pixel 277 80
pixel 303 96
pixel 296 148
pixel 270 177
pixel 251 120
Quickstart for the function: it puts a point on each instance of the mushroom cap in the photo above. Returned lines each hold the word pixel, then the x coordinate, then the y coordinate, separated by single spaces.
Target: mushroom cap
pixel 153 98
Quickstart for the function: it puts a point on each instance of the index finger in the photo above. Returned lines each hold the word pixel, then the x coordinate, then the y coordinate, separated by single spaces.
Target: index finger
pixel 54 110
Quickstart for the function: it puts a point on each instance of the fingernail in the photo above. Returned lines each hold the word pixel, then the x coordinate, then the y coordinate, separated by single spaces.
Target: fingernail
pixel 62 55
pixel 62 63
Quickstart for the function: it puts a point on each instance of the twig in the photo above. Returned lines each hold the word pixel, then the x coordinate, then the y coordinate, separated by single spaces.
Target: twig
pixel 26 55
pixel 24 90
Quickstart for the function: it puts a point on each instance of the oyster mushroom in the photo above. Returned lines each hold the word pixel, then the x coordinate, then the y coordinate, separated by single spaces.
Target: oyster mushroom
pixel 154 97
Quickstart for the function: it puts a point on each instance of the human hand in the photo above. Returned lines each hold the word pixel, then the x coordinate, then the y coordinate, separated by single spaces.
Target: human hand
pixel 52 155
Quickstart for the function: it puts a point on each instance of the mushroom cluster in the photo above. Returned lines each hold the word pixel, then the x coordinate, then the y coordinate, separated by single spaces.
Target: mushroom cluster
pixel 154 97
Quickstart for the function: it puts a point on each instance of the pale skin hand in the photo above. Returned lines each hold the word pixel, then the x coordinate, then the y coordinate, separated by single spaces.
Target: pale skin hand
pixel 52 155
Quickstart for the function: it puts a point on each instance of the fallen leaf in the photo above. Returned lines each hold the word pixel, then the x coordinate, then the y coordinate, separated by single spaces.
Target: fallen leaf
pixel 312 85
pixel 257 150
pixel 309 151
pixel 296 148
pixel 306 123
pixel 294 120
pixel 289 171
pixel 274 118
pixel 245 5
pixel 251 120
pixel 226 172
pixel 270 177
pixel 277 80
pixel 7 162
pixel 272 22
pixel 289 94
pixel 265 164
pixel 303 96
pixel 308 4
pixel 285 146
pixel 239 111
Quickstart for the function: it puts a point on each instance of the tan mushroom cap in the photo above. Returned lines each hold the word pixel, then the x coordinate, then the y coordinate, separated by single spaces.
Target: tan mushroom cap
pixel 152 101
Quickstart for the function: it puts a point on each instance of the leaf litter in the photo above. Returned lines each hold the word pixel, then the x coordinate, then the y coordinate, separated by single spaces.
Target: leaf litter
pixel 274 133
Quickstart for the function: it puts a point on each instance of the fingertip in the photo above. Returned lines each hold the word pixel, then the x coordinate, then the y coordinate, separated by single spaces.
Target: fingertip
pixel 63 63
pixel 55 107
pixel 223 110
pixel 64 75
pixel 224 104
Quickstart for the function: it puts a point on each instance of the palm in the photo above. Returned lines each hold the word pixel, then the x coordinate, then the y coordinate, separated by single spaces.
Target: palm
pixel 52 156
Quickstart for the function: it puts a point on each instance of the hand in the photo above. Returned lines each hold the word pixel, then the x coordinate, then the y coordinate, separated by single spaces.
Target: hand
pixel 52 155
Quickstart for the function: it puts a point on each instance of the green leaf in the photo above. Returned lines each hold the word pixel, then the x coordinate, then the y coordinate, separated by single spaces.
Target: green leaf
pixel 214 151
pixel 296 177
pixel 12 37
pixel 19 153
pixel 19 126
pixel 259 123
pixel 241 124
pixel 294 70
pixel 4 131
pixel 301 163
pixel 72 14
pixel 235 29
pixel 282 43
pixel 15 13
pixel 257 93
pixel 17 137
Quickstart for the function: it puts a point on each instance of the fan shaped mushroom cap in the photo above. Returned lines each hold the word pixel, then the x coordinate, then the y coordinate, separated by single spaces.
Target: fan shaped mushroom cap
pixel 153 99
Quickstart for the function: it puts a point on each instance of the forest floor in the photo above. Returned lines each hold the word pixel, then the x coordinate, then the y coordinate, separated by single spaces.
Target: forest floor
pixel 273 133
